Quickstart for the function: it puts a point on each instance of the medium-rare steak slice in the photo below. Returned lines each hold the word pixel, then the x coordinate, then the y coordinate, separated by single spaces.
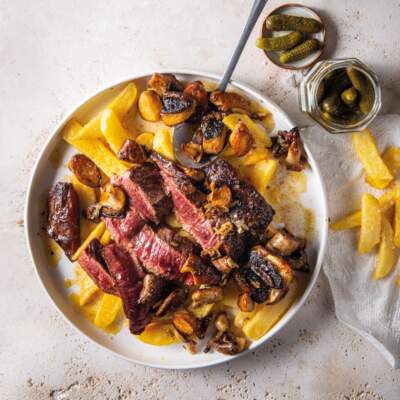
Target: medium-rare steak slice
pixel 188 202
pixel 129 281
pixel 249 211
pixel 159 256
pixel 122 230
pixel 63 217
pixel 144 186
pixel 93 263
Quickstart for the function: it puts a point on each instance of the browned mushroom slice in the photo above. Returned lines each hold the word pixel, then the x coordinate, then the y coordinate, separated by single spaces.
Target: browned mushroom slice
pixel 85 170
pixel 207 295
pixel 174 300
pixel 113 201
pixel 245 302
pixel 152 290
pixel 185 323
pixel 132 152
pixel 178 107
pixel 202 326
pixel 226 343
pixel 285 243
pixel 222 322
pixel 281 266
pixel 196 174
pixel 214 132
pixel 229 101
pixel 241 139
pixel 287 145
pixel 197 90
pixel 299 260
pixel 163 83
pixel 193 150
pixel 275 295
pixel 225 264
pixel 220 196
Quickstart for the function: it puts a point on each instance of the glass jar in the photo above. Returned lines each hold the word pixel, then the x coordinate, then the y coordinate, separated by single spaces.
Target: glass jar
pixel 308 94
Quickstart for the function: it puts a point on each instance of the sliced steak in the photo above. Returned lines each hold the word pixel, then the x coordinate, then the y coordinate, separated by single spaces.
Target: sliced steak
pixel 249 211
pixel 93 263
pixel 159 256
pixel 124 229
pixel 144 187
pixel 63 217
pixel 129 281
pixel 188 201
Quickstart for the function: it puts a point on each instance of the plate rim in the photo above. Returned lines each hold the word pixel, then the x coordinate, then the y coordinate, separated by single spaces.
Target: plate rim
pixel 28 210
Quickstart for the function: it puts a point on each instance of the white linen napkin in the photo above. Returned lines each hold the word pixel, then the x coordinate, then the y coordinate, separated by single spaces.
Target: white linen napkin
pixel 372 308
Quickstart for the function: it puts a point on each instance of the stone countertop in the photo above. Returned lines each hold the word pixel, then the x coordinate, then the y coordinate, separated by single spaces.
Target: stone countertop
pixel 53 54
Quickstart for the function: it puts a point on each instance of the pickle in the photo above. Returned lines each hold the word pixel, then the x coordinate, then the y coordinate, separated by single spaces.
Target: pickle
pixel 299 52
pixel 346 119
pixel 364 87
pixel 332 105
pixel 277 43
pixel 349 96
pixel 283 22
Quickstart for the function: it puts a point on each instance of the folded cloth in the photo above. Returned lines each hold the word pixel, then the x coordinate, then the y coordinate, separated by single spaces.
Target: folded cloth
pixel 371 308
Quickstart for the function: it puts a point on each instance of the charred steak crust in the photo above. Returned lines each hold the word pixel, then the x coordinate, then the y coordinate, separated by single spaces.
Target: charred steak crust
pixel 93 263
pixel 63 217
pixel 129 281
pixel 144 187
pixel 249 207
pixel 188 201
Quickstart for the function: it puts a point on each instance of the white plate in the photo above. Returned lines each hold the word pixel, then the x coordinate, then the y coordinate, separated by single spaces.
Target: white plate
pixel 52 279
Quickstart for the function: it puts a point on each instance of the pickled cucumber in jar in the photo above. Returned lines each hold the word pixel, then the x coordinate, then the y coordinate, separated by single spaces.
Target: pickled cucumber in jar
pixel 347 96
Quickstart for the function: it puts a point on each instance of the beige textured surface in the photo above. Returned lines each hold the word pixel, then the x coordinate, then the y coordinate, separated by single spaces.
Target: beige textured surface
pixel 54 53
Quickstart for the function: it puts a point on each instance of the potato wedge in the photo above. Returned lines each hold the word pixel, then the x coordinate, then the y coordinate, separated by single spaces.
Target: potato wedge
pixel 95 234
pixel 377 183
pixel 387 199
pixel 365 147
pixel 105 238
pixel 255 155
pixel 260 135
pixel 110 306
pixel 387 256
pixel 146 139
pixel 349 221
pixel 391 157
pixel 159 333
pixel 121 105
pixel 162 144
pixel 370 223
pixel 105 159
pixel 262 173
pixel 113 131
pixel 87 288
pixel 396 223
pixel 86 194
pixel 71 129
pixel 266 317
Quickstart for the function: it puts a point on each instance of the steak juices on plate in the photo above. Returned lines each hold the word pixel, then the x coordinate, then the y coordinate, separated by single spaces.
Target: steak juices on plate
pixel 172 243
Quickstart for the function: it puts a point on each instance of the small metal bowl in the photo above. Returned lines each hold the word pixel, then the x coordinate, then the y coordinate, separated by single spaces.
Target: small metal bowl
pixel 301 11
